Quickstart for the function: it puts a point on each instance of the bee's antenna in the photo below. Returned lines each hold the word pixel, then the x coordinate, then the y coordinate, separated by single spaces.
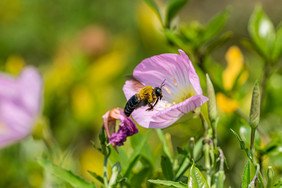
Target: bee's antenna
pixel 163 83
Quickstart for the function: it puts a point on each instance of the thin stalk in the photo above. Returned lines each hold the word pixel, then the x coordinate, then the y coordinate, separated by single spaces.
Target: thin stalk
pixel 252 148
pixel 207 162
pixel 105 170
pixel 204 123
pixel 221 175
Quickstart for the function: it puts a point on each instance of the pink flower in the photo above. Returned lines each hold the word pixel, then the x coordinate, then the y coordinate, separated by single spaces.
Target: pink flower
pixel 126 126
pixel 182 91
pixel 20 102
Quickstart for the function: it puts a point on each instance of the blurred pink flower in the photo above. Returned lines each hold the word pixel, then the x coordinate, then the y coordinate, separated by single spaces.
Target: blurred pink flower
pixel 182 91
pixel 20 102
pixel 126 126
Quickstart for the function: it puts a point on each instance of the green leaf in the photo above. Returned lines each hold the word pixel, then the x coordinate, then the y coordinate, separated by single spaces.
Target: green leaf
pixel 64 174
pixel 246 175
pixel 96 176
pixel 136 154
pixel 196 179
pixel 242 144
pixel 168 183
pixel 115 172
pixel 245 134
pixel 215 25
pixel 173 8
pixel 220 41
pixel 262 32
pixel 182 168
pixel 167 167
pixel 277 48
pixel 278 184
pixel 165 144
pixel 154 6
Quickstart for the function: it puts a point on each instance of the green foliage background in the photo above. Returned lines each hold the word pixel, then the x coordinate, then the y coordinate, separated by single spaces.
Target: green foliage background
pixel 85 48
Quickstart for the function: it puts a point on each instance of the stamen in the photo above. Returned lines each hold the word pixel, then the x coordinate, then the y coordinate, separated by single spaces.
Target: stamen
pixel 167 90
pixel 174 81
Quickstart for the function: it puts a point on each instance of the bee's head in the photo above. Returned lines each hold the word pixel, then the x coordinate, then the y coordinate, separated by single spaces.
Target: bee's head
pixel 158 92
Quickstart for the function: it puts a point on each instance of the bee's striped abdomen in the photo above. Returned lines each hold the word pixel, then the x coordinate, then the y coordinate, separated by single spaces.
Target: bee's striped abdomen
pixel 131 104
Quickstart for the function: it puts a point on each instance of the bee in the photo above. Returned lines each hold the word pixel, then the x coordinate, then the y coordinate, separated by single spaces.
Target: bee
pixel 148 95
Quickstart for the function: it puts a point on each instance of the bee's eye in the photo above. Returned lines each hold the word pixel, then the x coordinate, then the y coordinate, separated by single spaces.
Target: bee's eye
pixel 158 92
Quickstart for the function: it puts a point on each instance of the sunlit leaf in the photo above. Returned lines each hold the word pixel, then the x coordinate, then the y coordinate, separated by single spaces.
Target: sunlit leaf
pixel 115 172
pixel 196 179
pixel 64 174
pixel 262 31
pixel 168 183
pixel 155 7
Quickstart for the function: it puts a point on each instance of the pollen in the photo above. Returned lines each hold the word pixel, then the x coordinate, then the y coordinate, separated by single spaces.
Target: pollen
pixel 165 88
pixel 174 81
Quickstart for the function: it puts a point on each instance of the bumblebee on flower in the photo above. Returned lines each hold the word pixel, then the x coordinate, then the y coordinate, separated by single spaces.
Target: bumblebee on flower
pixel 164 88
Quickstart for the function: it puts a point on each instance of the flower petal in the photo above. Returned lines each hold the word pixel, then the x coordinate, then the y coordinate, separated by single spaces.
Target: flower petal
pixel 161 118
pixel 17 123
pixel 30 83
pixel 177 70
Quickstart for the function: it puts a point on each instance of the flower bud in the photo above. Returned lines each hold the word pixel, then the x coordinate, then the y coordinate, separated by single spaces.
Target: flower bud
pixel 270 175
pixel 212 102
pixel 255 107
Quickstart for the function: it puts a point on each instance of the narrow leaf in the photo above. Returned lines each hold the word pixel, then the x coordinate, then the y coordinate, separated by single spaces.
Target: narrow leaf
pixel 136 154
pixel 165 144
pixel 168 183
pixel 173 8
pixel 167 167
pixel 96 176
pixel 154 6
pixel 216 25
pixel 196 179
pixel 242 144
pixel 246 175
pixel 64 174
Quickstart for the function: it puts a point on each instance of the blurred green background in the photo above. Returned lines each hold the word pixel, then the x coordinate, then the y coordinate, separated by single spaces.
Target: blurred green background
pixel 85 48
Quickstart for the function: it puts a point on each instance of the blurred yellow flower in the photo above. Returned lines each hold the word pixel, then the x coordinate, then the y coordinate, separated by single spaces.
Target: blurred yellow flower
pixel 92 160
pixel 235 65
pixel 15 64
pixel 81 102
pixel 106 67
pixel 226 104
pixel 60 74
pixel 233 72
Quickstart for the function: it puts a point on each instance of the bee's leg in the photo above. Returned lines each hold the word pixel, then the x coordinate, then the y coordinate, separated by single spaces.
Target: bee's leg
pixel 151 107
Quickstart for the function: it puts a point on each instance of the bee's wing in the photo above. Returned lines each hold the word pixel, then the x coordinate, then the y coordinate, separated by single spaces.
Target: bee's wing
pixel 132 86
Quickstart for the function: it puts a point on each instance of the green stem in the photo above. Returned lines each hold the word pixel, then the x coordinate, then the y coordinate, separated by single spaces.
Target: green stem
pixel 221 175
pixel 252 148
pixel 204 123
pixel 207 161
pixel 105 171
